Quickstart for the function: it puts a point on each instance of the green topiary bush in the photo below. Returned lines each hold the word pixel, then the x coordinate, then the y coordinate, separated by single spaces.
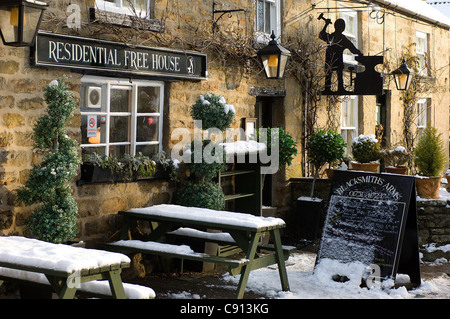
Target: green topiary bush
pixel 429 155
pixel 213 111
pixel 287 147
pixel 204 195
pixel 324 146
pixel 366 149
pixel 205 171
pixel 55 217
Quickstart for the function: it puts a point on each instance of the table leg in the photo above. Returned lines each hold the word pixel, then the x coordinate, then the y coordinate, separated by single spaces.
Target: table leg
pixel 280 260
pixel 245 271
pixel 115 283
pixel 61 287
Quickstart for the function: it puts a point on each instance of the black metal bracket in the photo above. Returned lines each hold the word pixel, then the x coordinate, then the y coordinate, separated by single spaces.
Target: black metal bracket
pixel 222 13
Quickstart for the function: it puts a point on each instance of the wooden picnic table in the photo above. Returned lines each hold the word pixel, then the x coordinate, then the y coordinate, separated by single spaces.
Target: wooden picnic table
pixel 65 266
pixel 245 231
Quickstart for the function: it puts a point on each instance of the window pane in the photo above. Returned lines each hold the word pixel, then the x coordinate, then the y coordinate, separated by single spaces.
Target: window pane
pixel 267 18
pixel 148 99
pixel 147 128
pixel 147 150
pixel 93 135
pixel 119 129
pixel 120 100
pixel 260 15
pixel 119 150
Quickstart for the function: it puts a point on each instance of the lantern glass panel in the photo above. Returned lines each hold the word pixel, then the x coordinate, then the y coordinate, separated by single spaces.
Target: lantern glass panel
pixel 283 62
pixel 9 23
pixel 270 63
pixel 31 20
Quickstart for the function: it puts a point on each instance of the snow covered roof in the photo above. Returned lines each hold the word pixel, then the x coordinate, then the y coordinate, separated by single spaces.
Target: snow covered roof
pixel 417 9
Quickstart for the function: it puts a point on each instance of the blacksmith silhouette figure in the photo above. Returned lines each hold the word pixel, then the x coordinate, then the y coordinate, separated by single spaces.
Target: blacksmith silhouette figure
pixel 337 43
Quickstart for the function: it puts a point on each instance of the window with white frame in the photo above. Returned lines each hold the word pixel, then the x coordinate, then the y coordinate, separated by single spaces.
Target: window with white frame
pixel 349 121
pixel 121 117
pixel 140 8
pixel 422 52
pixel 351 30
pixel 268 13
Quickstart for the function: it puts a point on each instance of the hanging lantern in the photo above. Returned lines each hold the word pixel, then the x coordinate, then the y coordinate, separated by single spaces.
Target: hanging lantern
pixel 20 20
pixel 274 59
pixel 403 76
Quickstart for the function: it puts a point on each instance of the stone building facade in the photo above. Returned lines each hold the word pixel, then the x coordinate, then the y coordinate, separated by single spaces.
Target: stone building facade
pixel 231 70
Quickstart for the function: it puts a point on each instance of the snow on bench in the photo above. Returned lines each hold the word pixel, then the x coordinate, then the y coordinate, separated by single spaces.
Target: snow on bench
pixel 58 257
pixel 19 253
pixel 170 250
pixel 210 216
pixel 99 287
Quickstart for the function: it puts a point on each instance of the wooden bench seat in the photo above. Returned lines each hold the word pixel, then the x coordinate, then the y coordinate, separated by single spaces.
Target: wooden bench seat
pixel 169 250
pixel 222 239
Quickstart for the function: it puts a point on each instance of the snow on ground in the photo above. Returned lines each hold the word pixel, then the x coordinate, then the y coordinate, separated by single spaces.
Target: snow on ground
pixel 309 282
pixel 317 283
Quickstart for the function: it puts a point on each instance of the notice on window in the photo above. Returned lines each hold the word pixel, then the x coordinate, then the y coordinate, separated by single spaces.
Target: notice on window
pixel 91 125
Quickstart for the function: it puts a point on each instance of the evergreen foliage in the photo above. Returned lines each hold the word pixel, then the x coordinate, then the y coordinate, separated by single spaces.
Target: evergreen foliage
pixel 429 154
pixel 54 219
pixel 201 194
pixel 213 111
pixel 366 149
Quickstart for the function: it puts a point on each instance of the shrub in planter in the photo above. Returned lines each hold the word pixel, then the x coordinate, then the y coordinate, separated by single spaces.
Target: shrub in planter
pixel 324 146
pixel 366 150
pixel 396 160
pixel 204 195
pixel 430 159
pixel 213 111
pixel 54 219
pixel 429 155
pixel 126 167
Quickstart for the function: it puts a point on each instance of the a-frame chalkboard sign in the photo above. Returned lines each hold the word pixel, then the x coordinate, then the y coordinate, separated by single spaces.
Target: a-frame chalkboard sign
pixel 372 218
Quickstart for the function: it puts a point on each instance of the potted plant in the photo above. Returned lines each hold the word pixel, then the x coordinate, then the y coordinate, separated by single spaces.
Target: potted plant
pixel 366 153
pixel 323 146
pixel 430 159
pixel 396 160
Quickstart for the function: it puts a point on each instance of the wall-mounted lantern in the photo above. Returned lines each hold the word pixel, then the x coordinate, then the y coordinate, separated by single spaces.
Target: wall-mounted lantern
pixel 403 76
pixel 274 59
pixel 20 20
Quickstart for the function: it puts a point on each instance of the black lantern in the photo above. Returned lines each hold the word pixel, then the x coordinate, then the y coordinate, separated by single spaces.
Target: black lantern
pixel 274 59
pixel 403 76
pixel 20 20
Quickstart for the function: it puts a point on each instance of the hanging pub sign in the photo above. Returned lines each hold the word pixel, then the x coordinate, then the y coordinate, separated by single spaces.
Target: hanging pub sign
pixel 112 57
pixel 372 219
pixel 367 81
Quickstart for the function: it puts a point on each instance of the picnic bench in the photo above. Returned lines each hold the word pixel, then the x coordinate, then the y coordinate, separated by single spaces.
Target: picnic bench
pixel 66 269
pixel 240 229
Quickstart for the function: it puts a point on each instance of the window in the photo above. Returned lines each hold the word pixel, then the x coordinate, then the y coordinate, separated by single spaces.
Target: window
pixel 351 31
pixel 349 121
pixel 119 117
pixel 268 16
pixel 141 8
pixel 422 52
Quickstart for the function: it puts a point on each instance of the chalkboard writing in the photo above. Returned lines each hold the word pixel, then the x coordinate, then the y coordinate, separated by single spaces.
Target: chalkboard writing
pixel 366 220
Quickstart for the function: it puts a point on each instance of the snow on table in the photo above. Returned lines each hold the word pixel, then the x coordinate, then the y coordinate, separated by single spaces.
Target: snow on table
pixel 210 216
pixel 58 257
